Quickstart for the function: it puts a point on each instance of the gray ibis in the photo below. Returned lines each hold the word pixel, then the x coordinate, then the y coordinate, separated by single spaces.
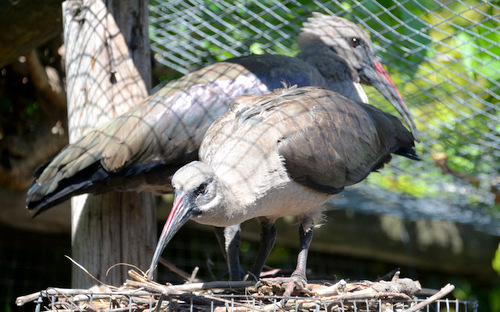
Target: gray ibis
pixel 282 154
pixel 141 150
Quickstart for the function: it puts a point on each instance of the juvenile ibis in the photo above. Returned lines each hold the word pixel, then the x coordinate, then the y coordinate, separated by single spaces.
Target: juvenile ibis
pixel 282 154
pixel 141 150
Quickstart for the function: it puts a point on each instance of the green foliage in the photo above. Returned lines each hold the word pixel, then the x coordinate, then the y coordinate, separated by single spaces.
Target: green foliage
pixel 496 261
pixel 494 299
pixel 448 63
pixel 463 289
pixel 32 107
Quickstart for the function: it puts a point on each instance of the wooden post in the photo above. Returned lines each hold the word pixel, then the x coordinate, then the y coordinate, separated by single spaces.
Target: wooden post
pixel 107 72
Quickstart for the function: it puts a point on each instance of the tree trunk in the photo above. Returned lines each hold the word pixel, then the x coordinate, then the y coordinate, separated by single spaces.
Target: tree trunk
pixel 108 72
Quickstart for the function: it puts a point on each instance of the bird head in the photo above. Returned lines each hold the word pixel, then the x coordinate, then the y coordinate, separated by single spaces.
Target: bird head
pixel 338 35
pixel 195 196
pixel 350 44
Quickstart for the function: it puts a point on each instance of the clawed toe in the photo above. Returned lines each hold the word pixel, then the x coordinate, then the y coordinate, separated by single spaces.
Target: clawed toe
pixel 283 285
pixel 295 283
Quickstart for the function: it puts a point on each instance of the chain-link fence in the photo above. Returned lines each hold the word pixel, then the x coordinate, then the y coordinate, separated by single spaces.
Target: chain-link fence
pixel 444 57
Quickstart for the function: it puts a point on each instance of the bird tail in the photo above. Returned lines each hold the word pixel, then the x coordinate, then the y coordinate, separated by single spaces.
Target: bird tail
pixel 42 196
pixel 394 136
pixel 405 141
pixel 408 153
pixel 95 179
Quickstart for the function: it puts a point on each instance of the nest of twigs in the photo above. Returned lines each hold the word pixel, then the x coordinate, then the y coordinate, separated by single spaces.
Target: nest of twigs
pixel 138 294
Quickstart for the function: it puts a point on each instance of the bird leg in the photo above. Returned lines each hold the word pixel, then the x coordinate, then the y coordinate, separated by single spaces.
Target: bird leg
pixel 298 278
pixel 266 244
pixel 229 240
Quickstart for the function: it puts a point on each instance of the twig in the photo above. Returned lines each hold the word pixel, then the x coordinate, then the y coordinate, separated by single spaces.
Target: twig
pixel 192 278
pixel 440 294
pixel 74 292
pixel 331 290
pixel 180 289
pixel 174 289
pixel 20 301
pixel 172 267
pixel 88 273
pixel 368 294
pixel 158 304
pixel 138 277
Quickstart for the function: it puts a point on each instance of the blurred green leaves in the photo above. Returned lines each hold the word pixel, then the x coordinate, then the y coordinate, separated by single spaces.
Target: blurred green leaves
pixel 447 57
pixel 496 261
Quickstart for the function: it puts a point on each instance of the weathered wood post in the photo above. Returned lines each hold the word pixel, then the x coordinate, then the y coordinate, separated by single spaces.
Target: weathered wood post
pixel 107 72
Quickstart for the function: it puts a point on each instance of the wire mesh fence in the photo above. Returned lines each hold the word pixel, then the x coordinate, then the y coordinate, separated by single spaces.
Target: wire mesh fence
pixel 444 57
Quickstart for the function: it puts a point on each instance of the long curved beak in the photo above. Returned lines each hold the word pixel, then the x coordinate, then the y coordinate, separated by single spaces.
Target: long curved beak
pixel 179 215
pixel 375 75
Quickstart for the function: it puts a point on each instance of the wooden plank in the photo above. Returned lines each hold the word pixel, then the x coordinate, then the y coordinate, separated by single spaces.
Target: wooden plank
pixel 103 81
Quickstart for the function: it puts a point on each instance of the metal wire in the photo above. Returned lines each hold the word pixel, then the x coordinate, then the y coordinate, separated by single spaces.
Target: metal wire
pixel 443 55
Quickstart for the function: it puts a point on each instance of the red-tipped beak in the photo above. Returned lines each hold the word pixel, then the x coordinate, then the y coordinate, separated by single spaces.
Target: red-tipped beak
pixel 179 215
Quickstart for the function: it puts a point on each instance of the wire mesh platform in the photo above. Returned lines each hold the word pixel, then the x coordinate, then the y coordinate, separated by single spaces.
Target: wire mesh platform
pixel 149 302
pixel 398 294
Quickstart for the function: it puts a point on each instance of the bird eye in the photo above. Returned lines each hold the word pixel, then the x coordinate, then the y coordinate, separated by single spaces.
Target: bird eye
pixel 355 42
pixel 202 188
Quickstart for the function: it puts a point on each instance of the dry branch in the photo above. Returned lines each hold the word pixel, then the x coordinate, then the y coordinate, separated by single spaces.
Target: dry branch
pixel 47 83
pixel 440 294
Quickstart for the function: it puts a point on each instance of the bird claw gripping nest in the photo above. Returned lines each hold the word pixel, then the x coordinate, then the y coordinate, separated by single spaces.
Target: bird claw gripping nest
pixel 276 286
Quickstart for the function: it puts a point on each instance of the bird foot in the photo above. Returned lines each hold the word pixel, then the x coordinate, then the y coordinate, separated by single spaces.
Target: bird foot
pixel 297 282
pixel 285 286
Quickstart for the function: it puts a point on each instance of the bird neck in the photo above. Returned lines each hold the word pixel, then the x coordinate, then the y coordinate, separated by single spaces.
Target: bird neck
pixel 339 75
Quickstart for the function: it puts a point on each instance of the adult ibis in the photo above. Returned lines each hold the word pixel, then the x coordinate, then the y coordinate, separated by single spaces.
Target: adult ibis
pixel 282 154
pixel 141 150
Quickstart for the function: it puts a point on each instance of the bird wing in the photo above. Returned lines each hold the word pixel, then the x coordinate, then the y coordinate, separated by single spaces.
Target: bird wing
pixel 168 126
pixel 278 70
pixel 335 142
